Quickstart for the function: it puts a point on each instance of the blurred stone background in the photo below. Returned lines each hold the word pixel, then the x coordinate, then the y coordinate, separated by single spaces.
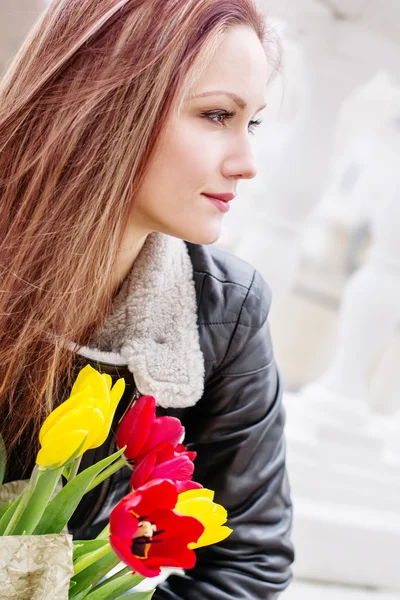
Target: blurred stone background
pixel 16 18
pixel 321 222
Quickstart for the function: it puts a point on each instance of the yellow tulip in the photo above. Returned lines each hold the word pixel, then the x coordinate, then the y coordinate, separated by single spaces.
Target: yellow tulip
pixel 199 504
pixel 82 421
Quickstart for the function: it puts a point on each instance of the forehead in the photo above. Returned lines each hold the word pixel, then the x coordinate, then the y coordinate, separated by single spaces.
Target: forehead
pixel 239 65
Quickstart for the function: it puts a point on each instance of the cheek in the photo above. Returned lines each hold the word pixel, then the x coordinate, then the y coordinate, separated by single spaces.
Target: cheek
pixel 188 156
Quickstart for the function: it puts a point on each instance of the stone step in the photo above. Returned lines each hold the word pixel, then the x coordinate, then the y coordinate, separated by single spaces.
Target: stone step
pixel 307 590
pixel 337 491
pixel 349 463
pixel 349 545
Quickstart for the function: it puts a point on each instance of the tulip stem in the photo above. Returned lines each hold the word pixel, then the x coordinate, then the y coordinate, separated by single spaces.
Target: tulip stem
pixel 24 499
pixel 114 587
pixel 75 468
pixel 121 462
pixel 124 571
pixel 90 558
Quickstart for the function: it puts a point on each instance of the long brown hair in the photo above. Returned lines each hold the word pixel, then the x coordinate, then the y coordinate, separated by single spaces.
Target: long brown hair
pixel 81 108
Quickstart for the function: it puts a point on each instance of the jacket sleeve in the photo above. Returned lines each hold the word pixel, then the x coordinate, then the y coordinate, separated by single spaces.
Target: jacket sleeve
pixel 237 432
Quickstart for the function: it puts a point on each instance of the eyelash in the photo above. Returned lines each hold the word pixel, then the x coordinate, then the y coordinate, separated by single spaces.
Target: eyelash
pixel 227 114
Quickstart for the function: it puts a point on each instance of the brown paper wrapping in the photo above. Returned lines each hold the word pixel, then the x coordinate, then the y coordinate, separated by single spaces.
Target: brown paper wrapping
pixel 33 567
pixel 10 491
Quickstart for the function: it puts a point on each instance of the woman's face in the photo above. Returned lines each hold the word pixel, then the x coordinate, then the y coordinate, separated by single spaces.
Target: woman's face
pixel 206 147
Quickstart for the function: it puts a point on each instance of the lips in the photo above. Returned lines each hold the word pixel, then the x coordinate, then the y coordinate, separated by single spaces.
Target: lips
pixel 221 201
pixel 223 197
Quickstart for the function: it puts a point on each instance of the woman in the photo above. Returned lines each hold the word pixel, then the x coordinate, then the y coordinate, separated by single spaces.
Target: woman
pixel 124 130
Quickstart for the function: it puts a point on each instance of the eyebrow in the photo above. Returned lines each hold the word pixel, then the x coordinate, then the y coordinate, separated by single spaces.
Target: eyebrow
pixel 237 99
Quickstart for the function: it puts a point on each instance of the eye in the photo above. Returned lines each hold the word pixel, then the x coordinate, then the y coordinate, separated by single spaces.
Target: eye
pixel 218 116
pixel 221 116
pixel 253 125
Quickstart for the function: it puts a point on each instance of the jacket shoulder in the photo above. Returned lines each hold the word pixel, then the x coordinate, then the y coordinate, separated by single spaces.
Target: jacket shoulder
pixel 230 293
pixel 237 284
pixel 221 265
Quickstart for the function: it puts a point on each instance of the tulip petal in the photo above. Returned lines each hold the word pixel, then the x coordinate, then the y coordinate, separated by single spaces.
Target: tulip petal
pixel 95 386
pixel 142 471
pixel 176 553
pixel 123 550
pixel 175 526
pixel 181 449
pixel 209 513
pixel 70 404
pixel 167 543
pixel 164 429
pixel 135 427
pixel 53 456
pixel 89 409
pixel 85 418
pixel 108 380
pixel 164 452
pixel 188 484
pixel 156 494
pixel 178 468
pixel 123 522
pixel 89 377
pixel 197 503
pixel 164 463
pixel 116 394
pixel 177 532
pixel 203 493
pixel 82 380
pixel 211 536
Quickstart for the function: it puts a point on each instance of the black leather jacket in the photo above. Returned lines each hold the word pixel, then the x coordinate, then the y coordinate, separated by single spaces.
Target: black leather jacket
pixel 236 429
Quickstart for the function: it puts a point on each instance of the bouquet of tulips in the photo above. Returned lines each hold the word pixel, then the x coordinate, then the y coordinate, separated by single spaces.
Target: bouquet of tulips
pixel 159 523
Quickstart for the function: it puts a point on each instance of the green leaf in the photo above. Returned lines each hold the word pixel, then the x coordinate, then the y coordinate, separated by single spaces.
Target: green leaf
pixel 63 505
pixel 23 500
pixel 38 502
pixel 113 588
pixel 108 472
pixel 8 515
pixel 137 596
pixel 83 594
pixel 67 470
pixel 75 468
pixel 3 460
pixel 82 547
pixel 90 558
pixel 86 579
pixel 4 507
pixel 123 571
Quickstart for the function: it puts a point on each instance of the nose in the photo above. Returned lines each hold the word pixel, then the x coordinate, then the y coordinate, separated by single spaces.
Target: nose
pixel 240 162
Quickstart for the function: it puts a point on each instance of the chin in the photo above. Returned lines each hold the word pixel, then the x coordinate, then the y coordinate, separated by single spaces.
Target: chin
pixel 204 237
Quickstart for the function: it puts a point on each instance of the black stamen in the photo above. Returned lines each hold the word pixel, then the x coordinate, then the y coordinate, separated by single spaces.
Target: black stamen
pixel 159 532
pixel 138 547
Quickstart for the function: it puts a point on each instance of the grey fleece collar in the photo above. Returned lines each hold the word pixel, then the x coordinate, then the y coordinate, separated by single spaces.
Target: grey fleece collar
pixel 153 325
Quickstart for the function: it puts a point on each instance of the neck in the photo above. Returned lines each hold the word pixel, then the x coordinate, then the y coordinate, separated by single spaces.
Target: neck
pixel 127 254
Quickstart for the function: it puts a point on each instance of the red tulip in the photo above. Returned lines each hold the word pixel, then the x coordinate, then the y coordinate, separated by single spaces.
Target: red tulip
pixel 146 533
pixel 167 462
pixel 142 432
